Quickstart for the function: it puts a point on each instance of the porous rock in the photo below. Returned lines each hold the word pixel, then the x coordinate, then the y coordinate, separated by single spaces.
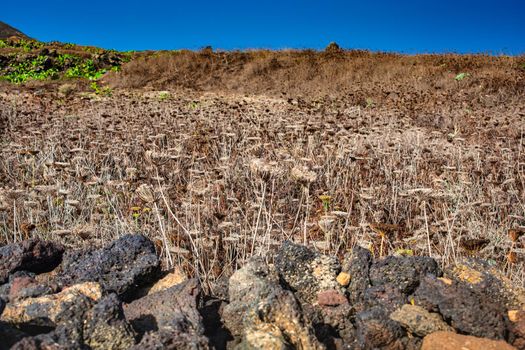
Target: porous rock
pixel 121 267
pixel 47 310
pixel 169 318
pixel 484 278
pixel 106 328
pixel 357 264
pixel 466 311
pixel 387 296
pixel 375 330
pixel 305 271
pixel 419 321
pixel 28 287
pixel 34 255
pixel 258 304
pixel 403 272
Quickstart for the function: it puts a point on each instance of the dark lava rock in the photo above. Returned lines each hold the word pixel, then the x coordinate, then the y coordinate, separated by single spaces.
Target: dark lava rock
pixel 305 271
pixel 468 312
pixel 32 255
pixel 86 326
pixel 357 265
pixel 69 331
pixel 403 272
pixel 2 306
pixel 250 284
pixel 176 339
pixel 28 287
pixel 106 328
pixel 261 314
pixel 485 278
pixel 170 314
pixel 386 296
pixel 375 330
pixel 120 268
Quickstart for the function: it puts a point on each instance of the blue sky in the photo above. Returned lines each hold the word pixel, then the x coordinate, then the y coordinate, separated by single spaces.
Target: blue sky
pixel 407 26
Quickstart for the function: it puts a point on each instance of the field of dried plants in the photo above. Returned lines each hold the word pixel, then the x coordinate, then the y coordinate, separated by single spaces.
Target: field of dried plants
pixel 424 164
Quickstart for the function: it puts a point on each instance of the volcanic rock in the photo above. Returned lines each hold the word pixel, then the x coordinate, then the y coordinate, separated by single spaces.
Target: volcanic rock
pixel 375 330
pixel 403 272
pixel 106 327
pixel 46 311
pixel 120 268
pixel 32 255
pixel 169 318
pixel 419 321
pixel 305 271
pixel 466 311
pixel 357 264
pixel 262 313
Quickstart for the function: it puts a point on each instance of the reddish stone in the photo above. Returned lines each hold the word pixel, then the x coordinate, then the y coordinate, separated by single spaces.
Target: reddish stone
pixel 19 284
pixel 331 297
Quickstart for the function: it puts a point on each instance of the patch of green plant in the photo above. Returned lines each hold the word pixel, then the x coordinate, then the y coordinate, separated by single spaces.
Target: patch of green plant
pixel 164 95
pixel 3 44
pixel 461 76
pixel 30 70
pixel 101 90
pixel 86 70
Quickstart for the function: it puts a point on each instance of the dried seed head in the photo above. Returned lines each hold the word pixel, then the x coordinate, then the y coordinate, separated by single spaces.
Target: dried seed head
pixel 303 175
pixel 145 193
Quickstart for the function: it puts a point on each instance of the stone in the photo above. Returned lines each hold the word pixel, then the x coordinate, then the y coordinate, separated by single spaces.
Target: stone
pixel 121 267
pixel 403 272
pixel 171 279
pixel 357 264
pixel 387 296
pixel 10 335
pixel 374 329
pixel 105 326
pixel 305 271
pixel 33 255
pixel 45 311
pixel 257 303
pixel 453 341
pixel 343 279
pixel 28 287
pixel 486 279
pixel 465 310
pixel 331 298
pixel 517 329
pixel 172 313
pixel 177 339
pixel 419 321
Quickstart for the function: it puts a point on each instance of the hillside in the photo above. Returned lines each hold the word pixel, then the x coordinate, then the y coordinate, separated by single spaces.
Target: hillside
pixel 6 31
pixel 317 199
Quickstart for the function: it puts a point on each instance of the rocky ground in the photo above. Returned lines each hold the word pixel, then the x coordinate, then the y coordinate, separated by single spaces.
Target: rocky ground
pixel 118 297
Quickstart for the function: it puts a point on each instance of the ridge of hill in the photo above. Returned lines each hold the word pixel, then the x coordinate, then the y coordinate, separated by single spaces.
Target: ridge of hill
pixel 6 31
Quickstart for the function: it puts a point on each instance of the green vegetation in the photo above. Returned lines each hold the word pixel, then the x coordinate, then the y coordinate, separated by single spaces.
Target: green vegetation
pixel 461 76
pixel 30 70
pixel 23 64
pixel 99 90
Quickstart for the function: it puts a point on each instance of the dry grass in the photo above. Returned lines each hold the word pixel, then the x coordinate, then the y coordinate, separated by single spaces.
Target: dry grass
pixel 357 75
pixel 214 179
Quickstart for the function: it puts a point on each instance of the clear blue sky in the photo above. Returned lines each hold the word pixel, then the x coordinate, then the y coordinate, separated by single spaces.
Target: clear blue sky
pixel 410 26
